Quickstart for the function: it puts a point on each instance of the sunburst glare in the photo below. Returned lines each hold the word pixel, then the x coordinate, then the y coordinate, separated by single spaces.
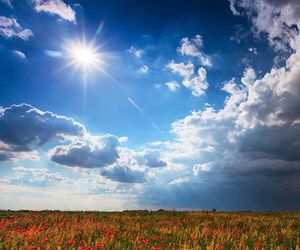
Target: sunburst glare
pixel 84 56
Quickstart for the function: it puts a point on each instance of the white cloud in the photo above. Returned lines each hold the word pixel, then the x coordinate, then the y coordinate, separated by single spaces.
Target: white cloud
pixel 197 84
pixel 19 54
pixel 185 70
pixel 136 52
pixel 249 77
pixel 232 7
pixel 274 18
pixel 179 181
pixel 10 28
pixel 172 86
pixel 253 50
pixel 143 70
pixel 192 47
pixel 57 7
pixel 35 176
pixel 52 197
pixel 198 168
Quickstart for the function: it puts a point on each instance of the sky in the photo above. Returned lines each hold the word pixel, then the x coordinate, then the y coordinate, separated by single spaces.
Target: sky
pixel 145 104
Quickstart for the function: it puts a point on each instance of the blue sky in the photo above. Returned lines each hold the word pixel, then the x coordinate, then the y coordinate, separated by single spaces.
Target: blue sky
pixel 186 105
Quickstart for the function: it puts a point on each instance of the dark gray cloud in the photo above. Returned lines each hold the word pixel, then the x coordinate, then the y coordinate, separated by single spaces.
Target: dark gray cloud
pixel 232 184
pixel 101 152
pixel 23 128
pixel 281 142
pixel 124 174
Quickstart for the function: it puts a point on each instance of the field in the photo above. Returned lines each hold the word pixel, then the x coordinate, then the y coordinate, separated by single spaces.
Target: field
pixel 138 230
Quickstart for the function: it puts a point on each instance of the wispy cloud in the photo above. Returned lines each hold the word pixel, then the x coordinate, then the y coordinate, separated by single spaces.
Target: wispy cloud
pixel 136 52
pixel 10 28
pixel 143 70
pixel 172 86
pixel 19 54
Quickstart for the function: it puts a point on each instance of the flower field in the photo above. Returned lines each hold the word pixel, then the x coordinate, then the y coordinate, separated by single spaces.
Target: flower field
pixel 138 230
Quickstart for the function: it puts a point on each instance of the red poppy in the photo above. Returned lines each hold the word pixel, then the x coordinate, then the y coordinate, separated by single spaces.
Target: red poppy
pixel 71 242
pixel 99 244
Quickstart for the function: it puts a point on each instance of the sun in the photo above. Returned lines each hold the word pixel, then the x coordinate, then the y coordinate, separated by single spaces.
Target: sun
pixel 84 56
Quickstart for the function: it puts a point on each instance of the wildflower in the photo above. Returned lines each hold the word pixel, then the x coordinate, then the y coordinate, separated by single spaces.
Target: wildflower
pixel 99 244
pixel 46 239
pixel 31 248
pixel 71 242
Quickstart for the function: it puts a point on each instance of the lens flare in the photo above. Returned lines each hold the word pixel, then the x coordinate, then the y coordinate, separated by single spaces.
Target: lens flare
pixel 84 56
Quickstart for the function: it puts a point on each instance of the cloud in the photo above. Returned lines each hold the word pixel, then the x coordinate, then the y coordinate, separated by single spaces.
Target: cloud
pixel 244 155
pixel 24 128
pixel 273 142
pixel 197 84
pixel 274 18
pixel 96 153
pixel 35 177
pixel 172 86
pixel 232 7
pixel 143 70
pixel 56 7
pixel 185 70
pixel 136 52
pixel 179 181
pixel 124 174
pixel 240 34
pixel 10 28
pixel 151 158
pixel 192 47
pixel 253 50
pixel 20 54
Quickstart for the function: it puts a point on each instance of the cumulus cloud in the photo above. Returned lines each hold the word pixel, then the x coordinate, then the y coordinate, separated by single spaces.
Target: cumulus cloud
pixel 244 155
pixel 24 128
pixel 96 153
pixel 10 28
pixel 197 84
pixel 277 19
pixel 172 86
pixel 192 47
pixel 56 7
pixel 185 70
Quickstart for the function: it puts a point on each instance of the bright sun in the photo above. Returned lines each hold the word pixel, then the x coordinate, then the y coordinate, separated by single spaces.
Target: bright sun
pixel 84 56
